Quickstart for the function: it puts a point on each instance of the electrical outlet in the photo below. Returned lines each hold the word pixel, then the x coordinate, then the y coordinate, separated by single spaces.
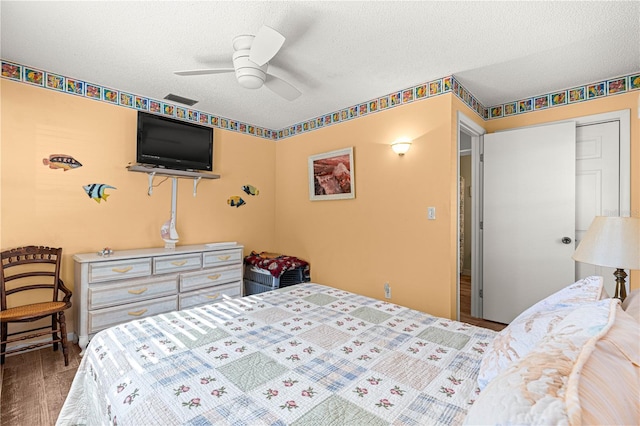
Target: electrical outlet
pixel 387 291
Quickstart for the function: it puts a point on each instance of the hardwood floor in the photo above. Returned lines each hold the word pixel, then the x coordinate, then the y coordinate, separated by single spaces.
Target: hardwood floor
pixel 34 386
pixel 465 307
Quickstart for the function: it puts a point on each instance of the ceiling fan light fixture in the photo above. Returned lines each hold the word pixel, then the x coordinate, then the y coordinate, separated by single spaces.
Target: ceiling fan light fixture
pixel 249 81
pixel 251 62
pixel 249 74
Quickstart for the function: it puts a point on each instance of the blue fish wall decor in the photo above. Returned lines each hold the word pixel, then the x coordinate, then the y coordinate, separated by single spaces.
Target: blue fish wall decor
pixel 96 191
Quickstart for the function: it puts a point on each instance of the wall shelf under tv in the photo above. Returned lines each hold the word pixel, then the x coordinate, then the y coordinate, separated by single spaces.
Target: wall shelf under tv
pixel 175 174
pixel 170 172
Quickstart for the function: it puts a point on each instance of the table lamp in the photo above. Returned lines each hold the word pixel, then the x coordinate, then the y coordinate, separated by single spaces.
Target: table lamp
pixel 613 242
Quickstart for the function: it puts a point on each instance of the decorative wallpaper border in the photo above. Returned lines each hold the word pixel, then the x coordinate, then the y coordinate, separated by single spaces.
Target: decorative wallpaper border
pixel 440 86
pixel 600 89
pixel 411 94
pixel 60 83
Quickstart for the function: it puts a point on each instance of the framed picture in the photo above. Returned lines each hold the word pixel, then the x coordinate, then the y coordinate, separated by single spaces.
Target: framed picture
pixel 331 175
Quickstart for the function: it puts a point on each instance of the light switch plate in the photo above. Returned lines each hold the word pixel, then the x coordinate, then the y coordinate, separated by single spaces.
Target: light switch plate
pixel 431 213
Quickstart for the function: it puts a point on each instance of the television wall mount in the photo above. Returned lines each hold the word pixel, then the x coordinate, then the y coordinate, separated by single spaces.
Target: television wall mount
pixel 168 230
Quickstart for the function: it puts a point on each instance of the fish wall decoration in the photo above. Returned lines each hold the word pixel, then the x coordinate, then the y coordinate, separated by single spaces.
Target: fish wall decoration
pixel 251 190
pixel 96 192
pixel 235 201
pixel 61 161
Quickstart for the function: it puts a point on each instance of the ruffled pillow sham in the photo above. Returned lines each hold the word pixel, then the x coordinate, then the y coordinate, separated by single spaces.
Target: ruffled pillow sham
pixel 586 371
pixel 528 329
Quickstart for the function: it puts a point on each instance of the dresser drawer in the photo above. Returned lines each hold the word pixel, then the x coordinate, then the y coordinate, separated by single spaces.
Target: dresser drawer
pixel 119 269
pixel 103 295
pixel 210 295
pixel 222 257
pixel 166 264
pixel 211 277
pixel 104 318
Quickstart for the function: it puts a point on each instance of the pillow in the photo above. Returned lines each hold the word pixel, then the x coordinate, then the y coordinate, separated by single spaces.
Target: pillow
pixel 563 379
pixel 585 290
pixel 524 332
pixel 608 387
pixel 632 304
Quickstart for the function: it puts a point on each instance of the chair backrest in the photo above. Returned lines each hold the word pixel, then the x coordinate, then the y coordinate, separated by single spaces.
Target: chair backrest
pixel 30 268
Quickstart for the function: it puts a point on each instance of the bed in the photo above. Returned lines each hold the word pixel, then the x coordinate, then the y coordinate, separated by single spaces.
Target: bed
pixel 306 354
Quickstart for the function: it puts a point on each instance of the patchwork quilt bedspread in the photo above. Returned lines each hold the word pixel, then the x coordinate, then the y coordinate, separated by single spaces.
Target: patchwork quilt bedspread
pixel 305 354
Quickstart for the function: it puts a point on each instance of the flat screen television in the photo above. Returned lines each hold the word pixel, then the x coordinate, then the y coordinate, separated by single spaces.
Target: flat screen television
pixel 173 144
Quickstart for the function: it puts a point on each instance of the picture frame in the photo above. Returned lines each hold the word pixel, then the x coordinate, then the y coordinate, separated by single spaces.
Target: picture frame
pixel 331 175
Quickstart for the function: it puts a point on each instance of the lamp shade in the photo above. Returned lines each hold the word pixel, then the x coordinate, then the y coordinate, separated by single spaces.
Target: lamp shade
pixel 613 242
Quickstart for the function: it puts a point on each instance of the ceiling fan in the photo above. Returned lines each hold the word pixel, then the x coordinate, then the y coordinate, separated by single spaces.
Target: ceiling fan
pixel 251 61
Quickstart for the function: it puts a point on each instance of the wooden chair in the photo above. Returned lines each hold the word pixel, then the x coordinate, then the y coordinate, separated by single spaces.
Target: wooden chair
pixel 33 271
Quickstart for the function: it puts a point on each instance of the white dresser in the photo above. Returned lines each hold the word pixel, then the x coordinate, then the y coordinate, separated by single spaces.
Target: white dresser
pixel 133 284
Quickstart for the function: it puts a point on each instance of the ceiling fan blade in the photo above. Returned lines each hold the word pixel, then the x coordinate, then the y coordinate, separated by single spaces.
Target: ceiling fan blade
pixel 204 72
pixel 265 45
pixel 281 87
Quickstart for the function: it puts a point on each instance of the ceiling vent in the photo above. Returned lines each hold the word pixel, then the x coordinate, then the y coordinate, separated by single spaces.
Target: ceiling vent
pixel 180 99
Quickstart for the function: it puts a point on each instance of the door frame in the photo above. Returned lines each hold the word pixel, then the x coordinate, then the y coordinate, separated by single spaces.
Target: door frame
pixel 622 116
pixel 468 126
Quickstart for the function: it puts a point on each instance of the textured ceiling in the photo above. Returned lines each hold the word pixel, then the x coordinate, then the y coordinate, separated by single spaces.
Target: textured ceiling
pixel 337 53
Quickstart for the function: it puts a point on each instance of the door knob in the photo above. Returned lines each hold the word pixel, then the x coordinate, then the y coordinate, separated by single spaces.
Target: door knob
pixel 566 240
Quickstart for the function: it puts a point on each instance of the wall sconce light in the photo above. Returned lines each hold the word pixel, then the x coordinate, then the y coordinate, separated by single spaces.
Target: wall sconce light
pixel 401 146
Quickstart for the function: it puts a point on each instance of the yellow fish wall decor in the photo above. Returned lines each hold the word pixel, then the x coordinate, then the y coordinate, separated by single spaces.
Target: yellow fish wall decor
pixel 61 161
pixel 250 190
pixel 235 201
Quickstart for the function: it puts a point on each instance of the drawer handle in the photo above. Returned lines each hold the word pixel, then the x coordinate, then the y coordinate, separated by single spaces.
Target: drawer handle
pixel 215 296
pixel 137 313
pixel 122 270
pixel 226 257
pixel 213 277
pixel 142 290
pixel 179 262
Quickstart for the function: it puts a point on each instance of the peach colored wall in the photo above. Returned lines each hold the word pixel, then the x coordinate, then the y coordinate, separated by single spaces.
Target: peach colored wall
pixel 612 103
pixel 383 234
pixel 50 207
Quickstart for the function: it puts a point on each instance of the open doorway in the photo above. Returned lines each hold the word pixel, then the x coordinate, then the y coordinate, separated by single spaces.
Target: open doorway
pixel 466 184
pixel 465 181
pixel 470 306
pixel 469 283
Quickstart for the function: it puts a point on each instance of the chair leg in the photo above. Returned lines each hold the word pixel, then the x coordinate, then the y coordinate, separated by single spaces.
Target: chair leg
pixel 63 331
pixel 54 332
pixel 3 339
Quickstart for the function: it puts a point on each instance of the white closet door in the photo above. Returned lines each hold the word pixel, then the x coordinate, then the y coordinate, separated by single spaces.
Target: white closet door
pixel 597 185
pixel 529 217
